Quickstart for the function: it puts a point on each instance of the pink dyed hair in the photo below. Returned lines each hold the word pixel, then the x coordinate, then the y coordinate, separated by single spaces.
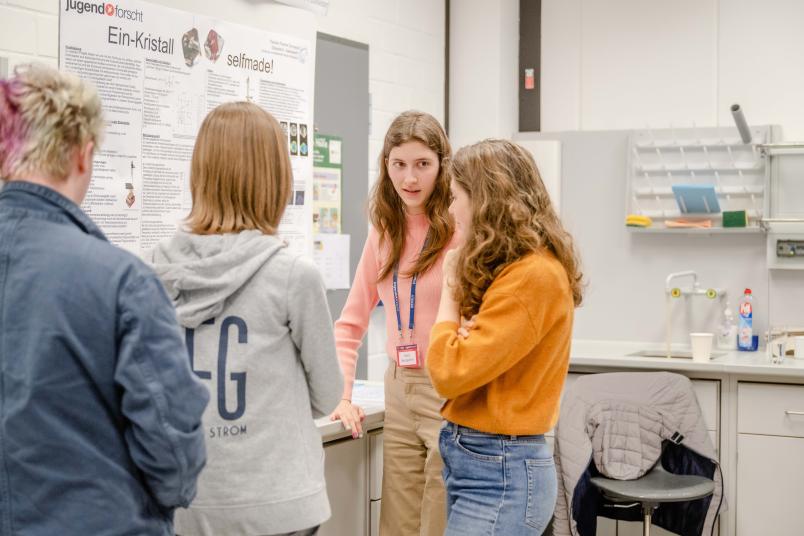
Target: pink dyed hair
pixel 44 116
pixel 11 131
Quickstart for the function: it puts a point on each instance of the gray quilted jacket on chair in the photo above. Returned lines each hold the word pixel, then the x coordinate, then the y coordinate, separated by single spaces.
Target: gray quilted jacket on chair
pixel 619 420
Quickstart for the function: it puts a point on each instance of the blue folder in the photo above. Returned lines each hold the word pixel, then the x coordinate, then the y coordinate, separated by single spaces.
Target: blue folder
pixel 696 198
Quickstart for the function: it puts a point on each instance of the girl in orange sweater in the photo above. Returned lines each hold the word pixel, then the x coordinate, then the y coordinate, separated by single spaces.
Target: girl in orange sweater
pixel 516 275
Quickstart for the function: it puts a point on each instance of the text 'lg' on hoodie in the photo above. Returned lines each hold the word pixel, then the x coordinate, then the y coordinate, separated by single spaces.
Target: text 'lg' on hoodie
pixel 259 334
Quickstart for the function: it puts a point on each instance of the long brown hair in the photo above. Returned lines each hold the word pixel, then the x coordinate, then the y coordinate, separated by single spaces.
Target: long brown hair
pixel 240 175
pixel 386 209
pixel 512 216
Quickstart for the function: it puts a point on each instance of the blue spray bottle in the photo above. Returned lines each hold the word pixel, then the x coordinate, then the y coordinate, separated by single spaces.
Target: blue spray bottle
pixel 745 329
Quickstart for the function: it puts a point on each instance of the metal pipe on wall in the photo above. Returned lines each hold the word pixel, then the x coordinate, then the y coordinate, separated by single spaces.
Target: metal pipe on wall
pixel 742 125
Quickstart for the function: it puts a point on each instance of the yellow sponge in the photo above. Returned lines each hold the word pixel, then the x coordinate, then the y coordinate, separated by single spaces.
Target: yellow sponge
pixel 638 220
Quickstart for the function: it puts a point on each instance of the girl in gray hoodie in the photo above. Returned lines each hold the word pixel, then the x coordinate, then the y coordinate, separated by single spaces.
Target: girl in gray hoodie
pixel 258 332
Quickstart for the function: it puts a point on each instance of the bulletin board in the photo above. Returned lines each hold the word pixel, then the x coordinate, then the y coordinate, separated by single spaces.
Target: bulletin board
pixel 327 183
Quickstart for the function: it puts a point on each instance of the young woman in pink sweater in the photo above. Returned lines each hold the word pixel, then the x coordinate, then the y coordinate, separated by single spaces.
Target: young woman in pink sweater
pixel 411 230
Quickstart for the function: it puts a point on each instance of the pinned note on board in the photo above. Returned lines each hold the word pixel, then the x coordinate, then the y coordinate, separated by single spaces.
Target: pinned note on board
pixel 331 255
pixel 696 198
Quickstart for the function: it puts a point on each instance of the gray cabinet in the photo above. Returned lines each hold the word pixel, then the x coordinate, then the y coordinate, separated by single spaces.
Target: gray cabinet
pixel 347 487
pixel 353 469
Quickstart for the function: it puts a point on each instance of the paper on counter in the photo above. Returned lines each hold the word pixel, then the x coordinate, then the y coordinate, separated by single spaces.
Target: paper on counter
pixel 331 256
pixel 366 392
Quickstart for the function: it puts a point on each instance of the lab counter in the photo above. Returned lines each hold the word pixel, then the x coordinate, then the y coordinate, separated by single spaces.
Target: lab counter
pixel 367 395
pixel 334 430
pixel 622 354
pixel 754 412
pixel 751 407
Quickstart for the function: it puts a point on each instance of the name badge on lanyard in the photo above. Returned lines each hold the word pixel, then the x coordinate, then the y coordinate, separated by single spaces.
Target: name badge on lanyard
pixel 407 353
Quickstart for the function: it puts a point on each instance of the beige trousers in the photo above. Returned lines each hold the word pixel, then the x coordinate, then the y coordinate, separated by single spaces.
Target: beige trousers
pixel 413 497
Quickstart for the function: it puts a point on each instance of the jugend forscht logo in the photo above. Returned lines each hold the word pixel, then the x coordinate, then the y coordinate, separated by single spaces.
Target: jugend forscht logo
pixel 104 8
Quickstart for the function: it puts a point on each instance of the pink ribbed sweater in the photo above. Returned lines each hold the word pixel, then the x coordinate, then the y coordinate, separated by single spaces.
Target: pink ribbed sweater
pixel 367 291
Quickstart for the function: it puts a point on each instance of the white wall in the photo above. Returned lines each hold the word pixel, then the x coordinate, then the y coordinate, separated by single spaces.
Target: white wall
pixel 625 64
pixel 761 45
pixel 484 59
pixel 29 30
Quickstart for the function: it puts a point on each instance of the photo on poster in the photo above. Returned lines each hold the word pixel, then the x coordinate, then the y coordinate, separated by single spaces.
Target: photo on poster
pixel 130 197
pixel 303 147
pixel 325 189
pixel 325 220
pixel 190 46
pixel 336 224
pixel 213 46
pixel 294 139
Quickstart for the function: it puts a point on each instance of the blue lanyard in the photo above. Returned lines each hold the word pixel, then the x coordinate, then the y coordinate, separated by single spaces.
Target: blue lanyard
pixel 412 296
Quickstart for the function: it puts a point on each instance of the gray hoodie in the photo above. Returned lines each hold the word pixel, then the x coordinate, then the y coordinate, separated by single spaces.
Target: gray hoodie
pixel 259 335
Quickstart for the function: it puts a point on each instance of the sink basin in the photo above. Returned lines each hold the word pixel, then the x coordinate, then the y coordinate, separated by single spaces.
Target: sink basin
pixel 678 354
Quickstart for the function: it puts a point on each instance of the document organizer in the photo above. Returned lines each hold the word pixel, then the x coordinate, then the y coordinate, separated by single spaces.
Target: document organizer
pixel 696 198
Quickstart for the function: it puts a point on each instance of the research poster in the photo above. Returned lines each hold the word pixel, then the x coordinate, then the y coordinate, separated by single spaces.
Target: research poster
pixel 327 168
pixel 159 71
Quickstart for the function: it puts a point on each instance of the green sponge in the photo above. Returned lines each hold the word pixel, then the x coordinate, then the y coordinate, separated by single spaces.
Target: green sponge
pixel 734 218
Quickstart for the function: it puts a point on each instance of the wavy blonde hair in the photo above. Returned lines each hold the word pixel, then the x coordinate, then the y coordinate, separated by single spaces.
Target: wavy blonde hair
pixel 512 216
pixel 386 209
pixel 240 173
pixel 45 116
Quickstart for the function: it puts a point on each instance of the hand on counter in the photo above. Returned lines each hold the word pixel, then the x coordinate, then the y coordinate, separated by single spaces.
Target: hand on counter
pixel 351 416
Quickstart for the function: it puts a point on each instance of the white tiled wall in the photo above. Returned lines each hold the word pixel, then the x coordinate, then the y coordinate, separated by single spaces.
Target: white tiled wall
pixel 29 31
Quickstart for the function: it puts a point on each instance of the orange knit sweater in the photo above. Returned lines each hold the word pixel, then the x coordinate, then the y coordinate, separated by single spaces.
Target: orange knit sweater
pixel 507 376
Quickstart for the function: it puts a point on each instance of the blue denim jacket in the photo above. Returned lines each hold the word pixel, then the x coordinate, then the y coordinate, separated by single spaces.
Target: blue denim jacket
pixel 99 411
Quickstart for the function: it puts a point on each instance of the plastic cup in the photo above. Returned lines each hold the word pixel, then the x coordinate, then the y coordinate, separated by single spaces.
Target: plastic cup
pixel 798 349
pixel 701 346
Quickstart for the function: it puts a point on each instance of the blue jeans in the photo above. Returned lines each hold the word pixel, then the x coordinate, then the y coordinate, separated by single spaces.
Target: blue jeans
pixel 496 484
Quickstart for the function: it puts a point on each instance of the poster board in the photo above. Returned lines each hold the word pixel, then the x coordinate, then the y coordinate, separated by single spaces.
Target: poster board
pixel 159 71
pixel 327 184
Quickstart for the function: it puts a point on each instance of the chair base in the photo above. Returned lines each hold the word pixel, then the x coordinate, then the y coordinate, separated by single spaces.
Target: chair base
pixel 647 513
